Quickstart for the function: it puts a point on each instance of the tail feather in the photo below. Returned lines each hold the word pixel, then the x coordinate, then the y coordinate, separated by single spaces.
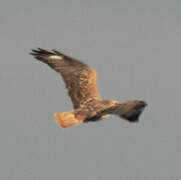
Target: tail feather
pixel 67 119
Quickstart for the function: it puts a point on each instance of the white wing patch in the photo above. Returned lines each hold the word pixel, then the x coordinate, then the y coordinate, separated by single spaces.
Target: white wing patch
pixel 55 57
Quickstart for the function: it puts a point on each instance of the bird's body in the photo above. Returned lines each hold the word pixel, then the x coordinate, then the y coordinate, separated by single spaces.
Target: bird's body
pixel 81 83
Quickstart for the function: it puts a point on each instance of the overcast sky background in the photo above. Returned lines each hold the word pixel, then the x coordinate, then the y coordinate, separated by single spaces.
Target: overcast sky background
pixel 135 46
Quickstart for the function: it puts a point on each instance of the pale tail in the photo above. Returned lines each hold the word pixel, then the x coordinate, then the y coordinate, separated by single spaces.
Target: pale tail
pixel 67 119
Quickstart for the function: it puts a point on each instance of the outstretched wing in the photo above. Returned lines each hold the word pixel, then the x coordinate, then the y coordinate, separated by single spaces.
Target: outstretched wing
pixel 128 110
pixel 80 79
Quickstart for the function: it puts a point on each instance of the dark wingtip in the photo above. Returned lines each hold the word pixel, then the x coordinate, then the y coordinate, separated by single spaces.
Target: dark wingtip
pixel 134 118
pixel 57 52
pixel 33 52
pixel 136 111
pixel 141 105
pixel 39 52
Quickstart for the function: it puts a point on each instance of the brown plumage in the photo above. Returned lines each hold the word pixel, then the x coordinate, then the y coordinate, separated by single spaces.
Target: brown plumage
pixel 81 83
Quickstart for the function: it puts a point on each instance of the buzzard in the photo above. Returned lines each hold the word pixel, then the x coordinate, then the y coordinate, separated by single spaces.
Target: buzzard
pixel 81 83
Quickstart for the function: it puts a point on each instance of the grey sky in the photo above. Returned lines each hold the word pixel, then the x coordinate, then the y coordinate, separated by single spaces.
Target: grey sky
pixel 135 48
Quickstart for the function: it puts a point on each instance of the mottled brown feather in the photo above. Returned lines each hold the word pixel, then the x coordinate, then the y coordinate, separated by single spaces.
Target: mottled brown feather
pixel 80 79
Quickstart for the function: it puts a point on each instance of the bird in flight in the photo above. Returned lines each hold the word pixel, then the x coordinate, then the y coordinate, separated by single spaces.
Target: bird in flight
pixel 81 83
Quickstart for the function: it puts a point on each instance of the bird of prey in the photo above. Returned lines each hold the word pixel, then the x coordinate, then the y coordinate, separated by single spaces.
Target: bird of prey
pixel 81 83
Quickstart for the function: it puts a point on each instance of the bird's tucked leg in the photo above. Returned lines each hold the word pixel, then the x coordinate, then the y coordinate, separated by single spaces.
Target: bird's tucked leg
pixel 68 119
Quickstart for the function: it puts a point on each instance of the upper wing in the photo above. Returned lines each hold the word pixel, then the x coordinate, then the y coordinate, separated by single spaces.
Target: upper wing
pixel 80 79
